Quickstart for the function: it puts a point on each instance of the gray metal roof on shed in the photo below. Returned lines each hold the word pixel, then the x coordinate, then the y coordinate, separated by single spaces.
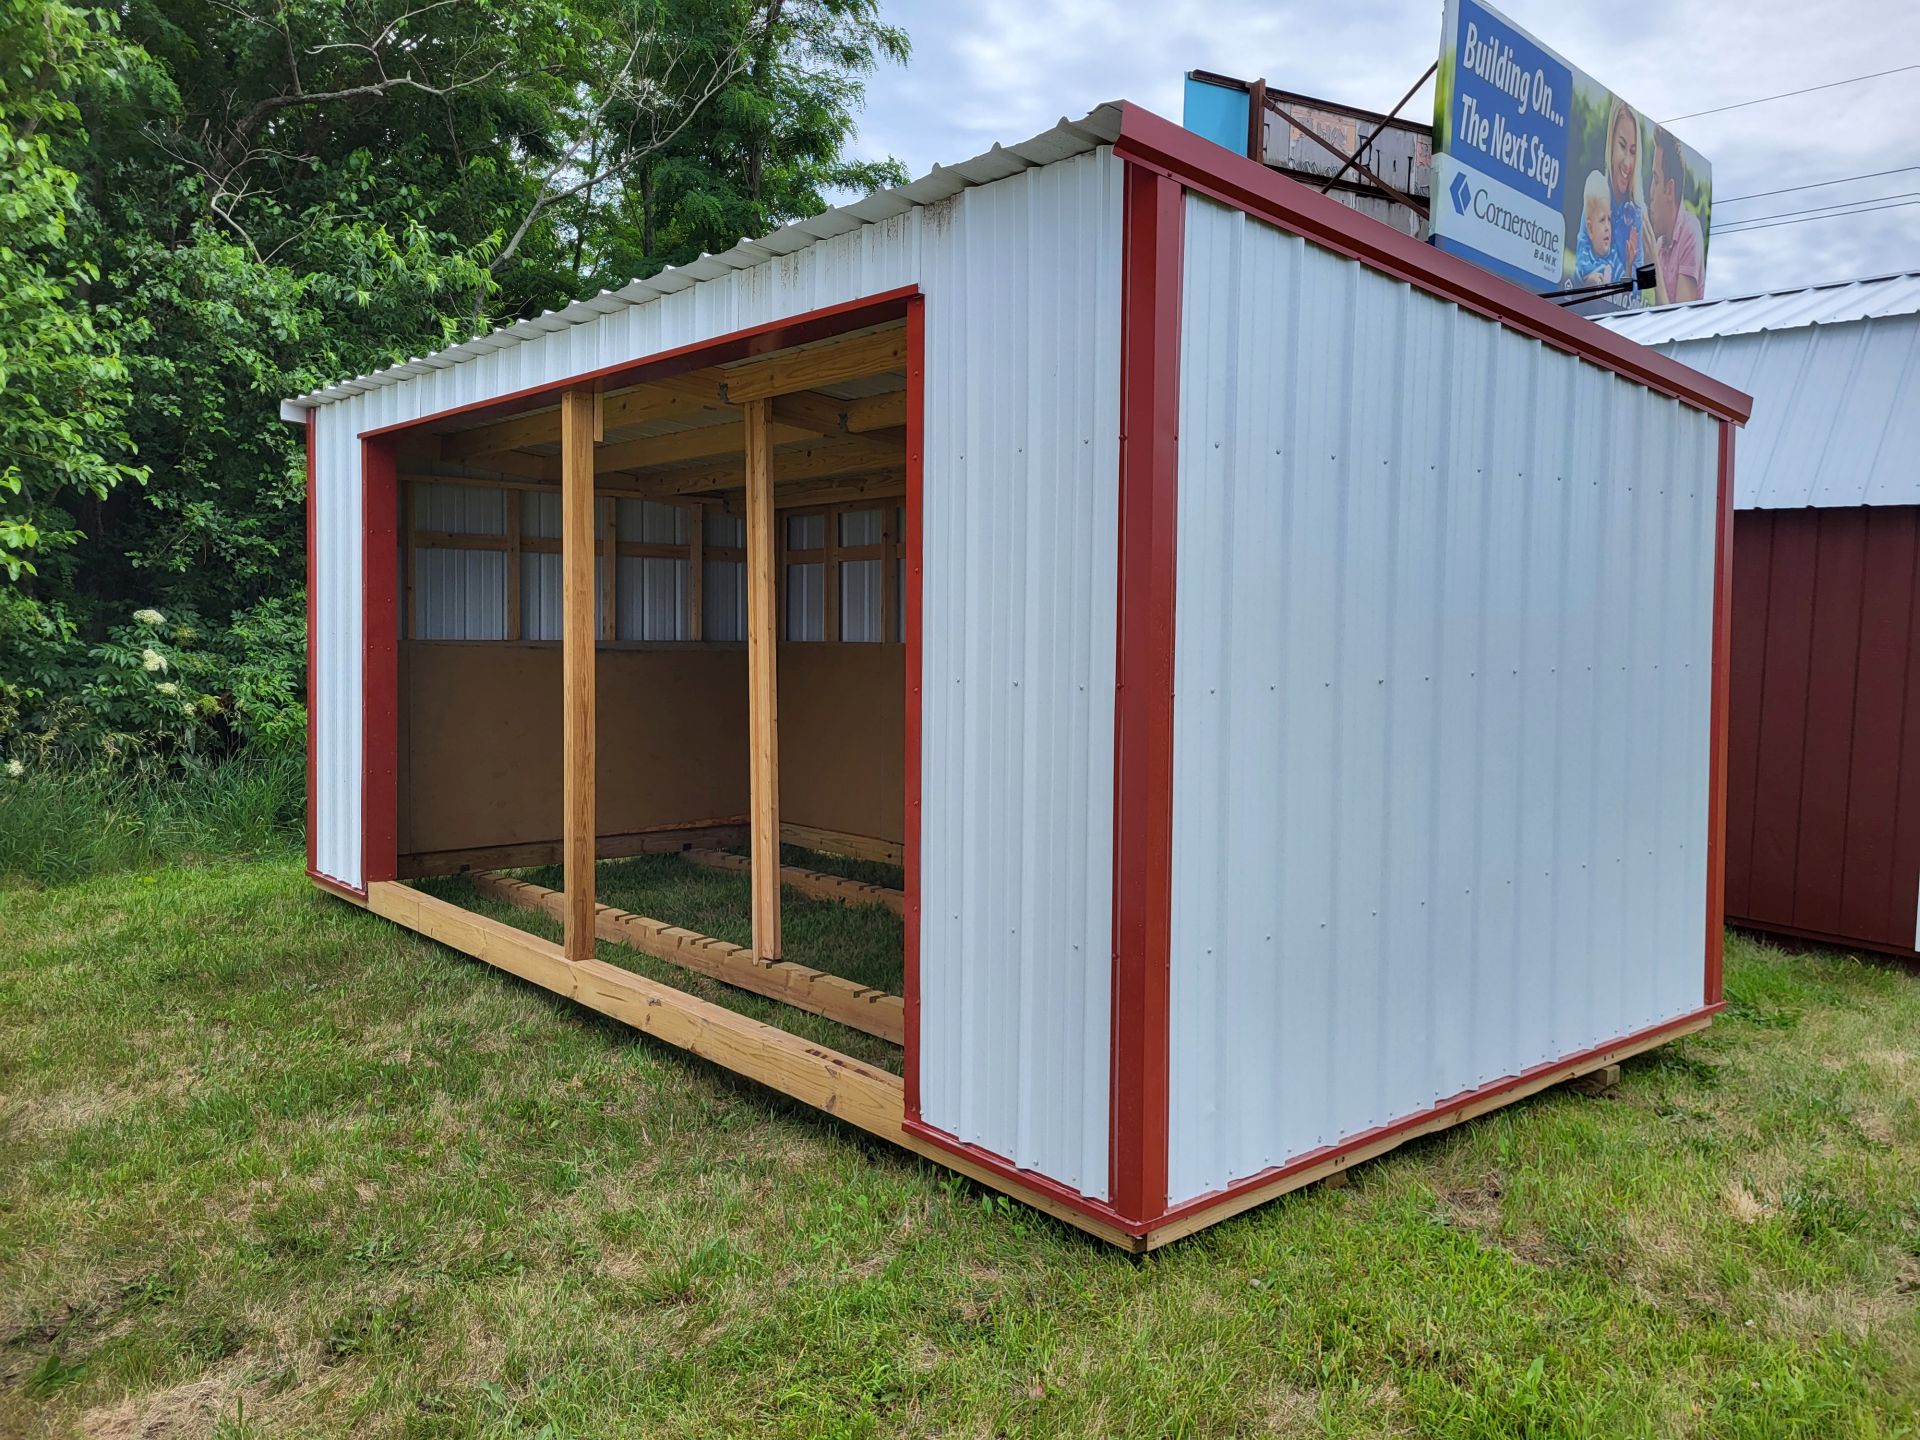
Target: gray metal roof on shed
pixel 1831 304
pixel 1068 138
pixel 1834 371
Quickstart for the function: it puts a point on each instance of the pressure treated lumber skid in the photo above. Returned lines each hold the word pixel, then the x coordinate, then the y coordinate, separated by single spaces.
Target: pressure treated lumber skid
pixel 808 882
pixel 842 1086
pixel 857 1006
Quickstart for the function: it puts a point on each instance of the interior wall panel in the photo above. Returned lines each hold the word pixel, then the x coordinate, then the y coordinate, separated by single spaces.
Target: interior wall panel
pixel 1441 708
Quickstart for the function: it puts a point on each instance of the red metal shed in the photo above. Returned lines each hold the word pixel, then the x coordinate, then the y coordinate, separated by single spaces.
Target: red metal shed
pixel 1823 783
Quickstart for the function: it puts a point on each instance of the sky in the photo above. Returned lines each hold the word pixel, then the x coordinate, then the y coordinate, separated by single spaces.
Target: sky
pixel 1002 70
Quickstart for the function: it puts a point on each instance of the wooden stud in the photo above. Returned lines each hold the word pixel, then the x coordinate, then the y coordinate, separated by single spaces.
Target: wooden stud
pixel 814 883
pixel 577 669
pixel 860 1007
pixel 696 570
pixel 890 574
pixel 409 502
pixel 515 505
pixel 763 722
pixel 609 569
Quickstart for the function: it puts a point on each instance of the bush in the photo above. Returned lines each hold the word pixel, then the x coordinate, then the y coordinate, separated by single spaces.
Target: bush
pixel 158 688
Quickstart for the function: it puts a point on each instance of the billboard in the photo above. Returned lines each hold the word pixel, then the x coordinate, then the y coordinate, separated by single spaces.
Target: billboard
pixel 1546 177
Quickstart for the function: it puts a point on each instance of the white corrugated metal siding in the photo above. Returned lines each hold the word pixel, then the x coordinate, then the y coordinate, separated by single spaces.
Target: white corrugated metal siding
pixel 1020 536
pixel 337 649
pixel 1021 278
pixel 1441 703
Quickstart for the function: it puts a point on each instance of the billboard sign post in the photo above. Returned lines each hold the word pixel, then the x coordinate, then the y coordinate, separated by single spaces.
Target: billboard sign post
pixel 1544 176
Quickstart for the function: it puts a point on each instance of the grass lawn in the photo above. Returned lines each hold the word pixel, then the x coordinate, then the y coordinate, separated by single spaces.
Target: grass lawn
pixel 269 1165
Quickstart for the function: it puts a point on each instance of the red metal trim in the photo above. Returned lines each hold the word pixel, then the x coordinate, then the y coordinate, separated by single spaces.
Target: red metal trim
pixel 743 344
pixel 1143 700
pixel 1419 1118
pixel 1032 1179
pixel 313 426
pixel 380 663
pixel 336 887
pixel 916 448
pixel 1721 689
pixel 1199 164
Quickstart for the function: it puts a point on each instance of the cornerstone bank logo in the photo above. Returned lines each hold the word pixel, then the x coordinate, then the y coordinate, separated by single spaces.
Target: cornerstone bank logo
pixel 1462 194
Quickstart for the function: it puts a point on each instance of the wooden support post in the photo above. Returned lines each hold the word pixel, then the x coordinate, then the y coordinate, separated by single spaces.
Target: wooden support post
pixel 763 723
pixel 577 668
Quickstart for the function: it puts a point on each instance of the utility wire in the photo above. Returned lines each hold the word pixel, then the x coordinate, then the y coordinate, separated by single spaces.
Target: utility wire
pixel 1816 185
pixel 1836 207
pixel 1803 219
pixel 1786 94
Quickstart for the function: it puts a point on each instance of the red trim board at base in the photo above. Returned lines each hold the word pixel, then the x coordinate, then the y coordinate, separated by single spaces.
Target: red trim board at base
pixel 1148 140
pixel 334 887
pixel 1150 269
pixel 380 663
pixel 1721 690
pixel 1005 1169
pixel 313 426
pixel 744 344
pixel 916 451
pixel 1244 1194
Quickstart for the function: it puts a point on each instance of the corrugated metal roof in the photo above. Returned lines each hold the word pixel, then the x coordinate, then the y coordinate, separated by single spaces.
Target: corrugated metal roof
pixel 1835 421
pixel 1871 298
pixel 1100 126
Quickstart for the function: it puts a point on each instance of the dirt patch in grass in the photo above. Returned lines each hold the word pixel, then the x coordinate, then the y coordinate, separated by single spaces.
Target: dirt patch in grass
pixel 182 1412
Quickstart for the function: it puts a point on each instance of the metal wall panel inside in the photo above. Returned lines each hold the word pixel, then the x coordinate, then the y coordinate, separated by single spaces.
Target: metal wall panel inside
pixel 1823 750
pixel 1441 717
pixel 1022 290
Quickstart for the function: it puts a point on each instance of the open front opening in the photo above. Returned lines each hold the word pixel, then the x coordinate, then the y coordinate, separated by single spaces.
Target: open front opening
pixel 686 771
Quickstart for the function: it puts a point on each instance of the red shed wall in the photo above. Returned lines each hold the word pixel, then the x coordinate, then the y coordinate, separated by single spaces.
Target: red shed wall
pixel 1823 785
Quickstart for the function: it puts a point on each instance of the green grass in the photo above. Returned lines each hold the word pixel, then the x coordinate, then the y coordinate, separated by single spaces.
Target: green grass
pixel 271 1166
pixel 66 823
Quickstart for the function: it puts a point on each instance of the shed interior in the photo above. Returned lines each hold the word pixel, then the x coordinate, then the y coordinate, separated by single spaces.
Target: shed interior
pixel 480 669
pixel 663 616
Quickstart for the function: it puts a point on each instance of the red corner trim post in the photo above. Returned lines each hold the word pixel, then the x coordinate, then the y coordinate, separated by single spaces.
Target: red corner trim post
pixel 380 677
pixel 1154 210
pixel 1148 140
pixel 916 449
pixel 1718 708
pixel 313 693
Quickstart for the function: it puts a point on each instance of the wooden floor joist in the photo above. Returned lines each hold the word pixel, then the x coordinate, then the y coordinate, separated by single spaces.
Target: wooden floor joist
pixel 860 1007
pixel 818 884
pixel 838 842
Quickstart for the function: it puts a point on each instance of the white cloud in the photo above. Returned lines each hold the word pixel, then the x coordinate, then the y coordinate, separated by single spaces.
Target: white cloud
pixel 1001 70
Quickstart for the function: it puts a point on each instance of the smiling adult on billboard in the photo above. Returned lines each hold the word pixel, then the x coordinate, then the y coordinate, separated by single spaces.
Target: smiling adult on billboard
pixel 1543 175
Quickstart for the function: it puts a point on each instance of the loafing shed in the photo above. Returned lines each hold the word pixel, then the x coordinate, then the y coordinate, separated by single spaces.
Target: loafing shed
pixel 1287 664
pixel 1823 745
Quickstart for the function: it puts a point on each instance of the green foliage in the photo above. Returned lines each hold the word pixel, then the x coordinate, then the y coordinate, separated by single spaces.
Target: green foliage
pixel 207 205
pixel 63 388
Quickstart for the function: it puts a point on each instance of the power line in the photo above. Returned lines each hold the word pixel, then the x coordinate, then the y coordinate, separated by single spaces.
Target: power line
pixel 1816 185
pixel 1786 94
pixel 1803 219
pixel 1836 207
